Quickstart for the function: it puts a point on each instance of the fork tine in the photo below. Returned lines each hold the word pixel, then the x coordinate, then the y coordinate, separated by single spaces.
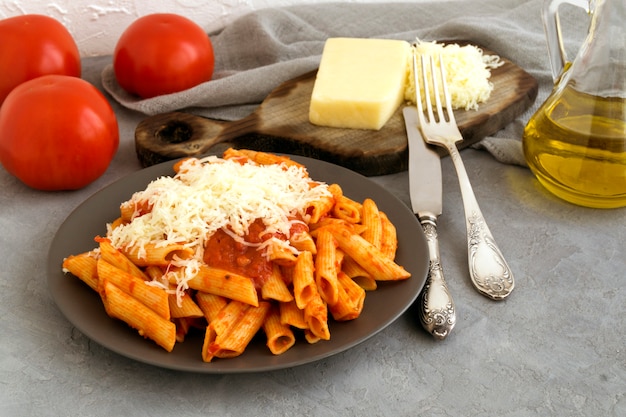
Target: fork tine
pixel 446 91
pixel 435 81
pixel 426 85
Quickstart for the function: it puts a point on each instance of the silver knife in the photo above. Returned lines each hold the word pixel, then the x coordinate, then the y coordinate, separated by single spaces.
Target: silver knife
pixel 437 310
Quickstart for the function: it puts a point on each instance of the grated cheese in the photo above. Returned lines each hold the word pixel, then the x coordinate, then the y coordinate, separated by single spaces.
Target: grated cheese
pixel 467 73
pixel 210 194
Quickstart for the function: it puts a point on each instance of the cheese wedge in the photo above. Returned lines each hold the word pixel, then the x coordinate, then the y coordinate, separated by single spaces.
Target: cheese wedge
pixel 360 82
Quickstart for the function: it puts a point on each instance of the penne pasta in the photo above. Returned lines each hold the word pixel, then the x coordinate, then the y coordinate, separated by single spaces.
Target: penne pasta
pixel 83 266
pixel 371 220
pixel 310 337
pixel 118 259
pixel 345 208
pixel 234 341
pixel 152 254
pixel 210 304
pixel 118 304
pixel 320 208
pixel 389 238
pixel 368 256
pixel 358 274
pixel 231 331
pixel 316 317
pixel 261 158
pixel 303 241
pixel 291 315
pixel 225 320
pixel 350 299
pixel 227 284
pixel 274 288
pixel 280 337
pixel 279 253
pixel 304 287
pixel 183 306
pixel 152 297
pixel 326 268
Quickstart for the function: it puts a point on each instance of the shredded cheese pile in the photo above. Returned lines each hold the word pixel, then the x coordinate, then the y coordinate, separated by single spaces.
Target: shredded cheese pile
pixel 213 193
pixel 467 73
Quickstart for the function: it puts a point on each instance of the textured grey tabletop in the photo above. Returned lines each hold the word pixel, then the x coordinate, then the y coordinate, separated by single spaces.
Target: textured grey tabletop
pixel 555 347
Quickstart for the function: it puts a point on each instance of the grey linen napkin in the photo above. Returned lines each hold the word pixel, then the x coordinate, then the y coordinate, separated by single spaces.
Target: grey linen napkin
pixel 261 50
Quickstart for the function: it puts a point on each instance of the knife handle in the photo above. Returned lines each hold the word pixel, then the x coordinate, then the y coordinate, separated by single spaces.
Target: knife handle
pixel 437 310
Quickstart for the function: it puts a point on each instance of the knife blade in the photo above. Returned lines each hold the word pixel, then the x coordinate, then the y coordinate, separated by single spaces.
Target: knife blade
pixel 437 309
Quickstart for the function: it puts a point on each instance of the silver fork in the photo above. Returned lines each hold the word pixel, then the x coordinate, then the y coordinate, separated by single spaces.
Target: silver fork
pixel 489 272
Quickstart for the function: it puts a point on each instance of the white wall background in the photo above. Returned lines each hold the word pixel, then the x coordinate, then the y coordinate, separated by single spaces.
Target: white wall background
pixel 97 24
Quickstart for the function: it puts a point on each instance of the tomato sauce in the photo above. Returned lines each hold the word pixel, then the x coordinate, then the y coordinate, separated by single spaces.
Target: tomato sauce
pixel 224 252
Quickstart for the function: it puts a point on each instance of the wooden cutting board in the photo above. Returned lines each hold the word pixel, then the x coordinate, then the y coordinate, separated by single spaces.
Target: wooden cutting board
pixel 281 124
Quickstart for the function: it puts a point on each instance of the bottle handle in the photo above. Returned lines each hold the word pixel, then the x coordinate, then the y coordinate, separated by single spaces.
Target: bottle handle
pixel 552 28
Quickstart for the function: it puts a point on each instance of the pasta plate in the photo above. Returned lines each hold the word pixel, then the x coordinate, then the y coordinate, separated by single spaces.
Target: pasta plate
pixel 83 308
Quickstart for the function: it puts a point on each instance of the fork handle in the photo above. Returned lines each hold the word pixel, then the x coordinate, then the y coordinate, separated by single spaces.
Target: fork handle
pixel 437 311
pixel 489 271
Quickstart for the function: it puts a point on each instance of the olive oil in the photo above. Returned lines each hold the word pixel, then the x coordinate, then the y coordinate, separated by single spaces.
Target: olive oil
pixel 575 144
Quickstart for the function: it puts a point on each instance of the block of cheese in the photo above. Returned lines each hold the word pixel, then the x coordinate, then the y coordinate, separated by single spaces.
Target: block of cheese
pixel 360 82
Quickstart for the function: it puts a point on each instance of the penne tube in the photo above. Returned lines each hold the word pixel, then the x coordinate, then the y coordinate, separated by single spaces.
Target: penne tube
pixel 347 209
pixel 118 259
pixel 316 317
pixel 84 267
pixel 320 208
pixel 152 254
pixel 227 284
pixel 261 158
pixel 310 337
pixel 280 337
pixel 210 304
pixel 304 287
pixel 152 297
pixel 350 299
pixel 358 274
pixel 118 304
pixel 371 220
pixel 368 256
pixel 183 306
pixel 274 288
pixel 233 342
pixel 225 320
pixel 335 190
pixel 326 268
pixel 279 252
pixel 303 241
pixel 291 315
pixel 332 221
pixel 389 239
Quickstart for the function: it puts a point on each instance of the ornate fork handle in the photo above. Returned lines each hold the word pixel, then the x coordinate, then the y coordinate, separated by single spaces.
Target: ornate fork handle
pixel 437 311
pixel 488 269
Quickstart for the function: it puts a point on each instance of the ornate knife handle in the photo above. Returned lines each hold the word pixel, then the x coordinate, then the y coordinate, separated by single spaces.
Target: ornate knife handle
pixel 437 311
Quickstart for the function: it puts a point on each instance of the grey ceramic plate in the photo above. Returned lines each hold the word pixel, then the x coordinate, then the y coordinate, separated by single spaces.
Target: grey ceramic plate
pixel 83 307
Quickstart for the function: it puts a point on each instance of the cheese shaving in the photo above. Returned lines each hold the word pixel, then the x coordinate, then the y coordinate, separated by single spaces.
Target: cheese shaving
pixel 467 73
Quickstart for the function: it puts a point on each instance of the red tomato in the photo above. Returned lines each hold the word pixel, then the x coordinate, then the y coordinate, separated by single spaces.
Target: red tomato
pixel 162 53
pixel 57 133
pixel 34 45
